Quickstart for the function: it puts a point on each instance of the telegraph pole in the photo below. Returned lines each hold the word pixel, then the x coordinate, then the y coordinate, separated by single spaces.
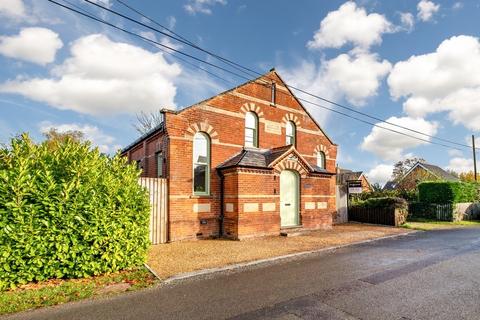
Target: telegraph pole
pixel 474 158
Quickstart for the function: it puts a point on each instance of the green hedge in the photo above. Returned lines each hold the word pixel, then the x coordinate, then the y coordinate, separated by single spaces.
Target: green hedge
pixel 447 192
pixel 384 202
pixel 67 211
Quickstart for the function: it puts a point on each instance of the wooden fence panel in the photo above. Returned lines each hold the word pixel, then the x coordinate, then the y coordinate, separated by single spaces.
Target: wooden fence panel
pixel 385 216
pixel 158 195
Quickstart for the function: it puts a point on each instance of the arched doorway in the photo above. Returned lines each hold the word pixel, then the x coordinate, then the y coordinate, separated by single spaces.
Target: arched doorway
pixel 289 198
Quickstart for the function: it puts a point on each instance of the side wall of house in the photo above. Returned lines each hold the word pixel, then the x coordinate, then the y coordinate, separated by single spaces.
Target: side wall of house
pixel 365 185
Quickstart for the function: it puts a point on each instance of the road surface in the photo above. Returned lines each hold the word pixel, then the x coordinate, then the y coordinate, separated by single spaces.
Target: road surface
pixel 425 275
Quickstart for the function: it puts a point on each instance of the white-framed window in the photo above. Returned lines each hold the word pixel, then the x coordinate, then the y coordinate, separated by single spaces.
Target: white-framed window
pixel 290 130
pixel 251 129
pixel 321 159
pixel 201 164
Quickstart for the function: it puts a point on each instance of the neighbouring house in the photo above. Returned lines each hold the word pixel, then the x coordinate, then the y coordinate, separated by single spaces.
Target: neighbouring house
pixel 419 172
pixel 248 162
pixel 345 175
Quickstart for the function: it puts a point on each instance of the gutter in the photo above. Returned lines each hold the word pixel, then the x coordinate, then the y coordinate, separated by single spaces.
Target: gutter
pixel 222 207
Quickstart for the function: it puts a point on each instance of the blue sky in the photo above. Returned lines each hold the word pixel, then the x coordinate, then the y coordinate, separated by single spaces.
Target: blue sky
pixel 415 63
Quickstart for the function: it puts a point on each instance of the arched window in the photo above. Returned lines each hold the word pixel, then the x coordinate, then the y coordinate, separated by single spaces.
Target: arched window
pixel 251 129
pixel 321 160
pixel 201 163
pixel 290 132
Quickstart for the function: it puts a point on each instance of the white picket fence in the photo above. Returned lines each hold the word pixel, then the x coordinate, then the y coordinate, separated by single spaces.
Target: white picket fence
pixel 157 189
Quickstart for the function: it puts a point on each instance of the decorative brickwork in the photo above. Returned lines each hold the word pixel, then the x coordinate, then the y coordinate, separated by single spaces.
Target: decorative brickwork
pixel 251 204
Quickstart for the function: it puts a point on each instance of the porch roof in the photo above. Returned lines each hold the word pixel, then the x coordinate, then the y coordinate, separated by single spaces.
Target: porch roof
pixel 257 158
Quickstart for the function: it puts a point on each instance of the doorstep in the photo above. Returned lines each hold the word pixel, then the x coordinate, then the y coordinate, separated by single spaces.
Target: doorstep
pixel 293 231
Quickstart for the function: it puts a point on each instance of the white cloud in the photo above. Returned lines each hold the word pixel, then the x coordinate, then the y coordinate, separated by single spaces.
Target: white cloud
pixel 389 145
pixel 171 21
pixel 105 3
pixel 37 45
pixel 104 77
pixel 14 9
pixel 445 80
pixel 407 20
pixel 380 173
pixel 460 165
pixel 202 6
pixel 105 142
pixel 350 24
pixel 355 76
pixel 457 5
pixel 426 10
pixel 455 153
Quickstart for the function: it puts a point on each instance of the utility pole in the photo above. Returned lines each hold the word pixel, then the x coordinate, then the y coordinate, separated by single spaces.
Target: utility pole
pixel 474 158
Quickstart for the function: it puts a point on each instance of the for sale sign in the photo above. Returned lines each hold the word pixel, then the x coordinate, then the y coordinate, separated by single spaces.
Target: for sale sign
pixel 354 186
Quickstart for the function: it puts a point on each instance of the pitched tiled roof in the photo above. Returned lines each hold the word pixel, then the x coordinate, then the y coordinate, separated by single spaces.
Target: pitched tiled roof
pixel 259 158
pixel 246 158
pixel 390 185
pixel 254 158
pixel 439 172
pixel 345 175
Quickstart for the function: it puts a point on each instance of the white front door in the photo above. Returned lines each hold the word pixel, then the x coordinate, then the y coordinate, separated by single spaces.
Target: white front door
pixel 289 198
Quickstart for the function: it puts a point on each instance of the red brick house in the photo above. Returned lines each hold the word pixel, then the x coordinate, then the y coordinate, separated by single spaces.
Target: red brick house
pixel 250 161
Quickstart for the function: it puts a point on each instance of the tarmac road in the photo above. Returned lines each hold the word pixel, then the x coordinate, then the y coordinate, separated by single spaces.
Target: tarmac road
pixel 425 275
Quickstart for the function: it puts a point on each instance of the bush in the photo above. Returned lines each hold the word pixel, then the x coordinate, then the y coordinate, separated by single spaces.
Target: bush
pixel 404 194
pixel 387 210
pixel 447 192
pixel 385 202
pixel 67 211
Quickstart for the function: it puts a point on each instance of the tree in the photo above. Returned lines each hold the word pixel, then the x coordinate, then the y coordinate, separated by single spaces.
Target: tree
pixel 468 176
pixel 147 121
pixel 376 187
pixel 401 167
pixel 454 173
pixel 53 137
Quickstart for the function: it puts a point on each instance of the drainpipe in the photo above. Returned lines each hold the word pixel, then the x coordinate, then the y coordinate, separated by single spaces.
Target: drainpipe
pixel 222 213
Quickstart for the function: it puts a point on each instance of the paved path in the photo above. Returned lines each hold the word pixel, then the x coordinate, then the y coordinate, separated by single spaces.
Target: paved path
pixel 426 275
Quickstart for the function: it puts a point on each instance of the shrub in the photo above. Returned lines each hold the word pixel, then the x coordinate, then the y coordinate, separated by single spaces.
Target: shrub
pixel 387 210
pixel 404 194
pixel 384 202
pixel 67 211
pixel 447 192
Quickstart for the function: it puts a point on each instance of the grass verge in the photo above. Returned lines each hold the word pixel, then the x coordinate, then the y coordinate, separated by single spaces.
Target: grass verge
pixel 53 292
pixel 428 224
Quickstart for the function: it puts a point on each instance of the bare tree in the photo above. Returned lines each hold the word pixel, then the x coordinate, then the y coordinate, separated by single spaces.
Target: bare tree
pixel 147 121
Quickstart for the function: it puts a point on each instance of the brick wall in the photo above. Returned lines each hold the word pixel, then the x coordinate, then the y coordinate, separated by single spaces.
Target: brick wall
pixel 222 118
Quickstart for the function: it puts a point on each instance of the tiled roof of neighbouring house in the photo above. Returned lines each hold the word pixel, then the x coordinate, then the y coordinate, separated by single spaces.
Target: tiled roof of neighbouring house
pixel 345 175
pixel 390 185
pixel 439 172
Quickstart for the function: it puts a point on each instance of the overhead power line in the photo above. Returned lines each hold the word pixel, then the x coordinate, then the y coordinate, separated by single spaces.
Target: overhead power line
pixel 157 47
pixel 183 40
pixel 91 16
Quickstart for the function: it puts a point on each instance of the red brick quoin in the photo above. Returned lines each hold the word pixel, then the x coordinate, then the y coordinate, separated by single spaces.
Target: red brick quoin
pixel 244 181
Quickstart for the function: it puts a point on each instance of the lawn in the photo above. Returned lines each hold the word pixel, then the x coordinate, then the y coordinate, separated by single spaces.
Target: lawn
pixel 428 224
pixel 53 292
pixel 186 256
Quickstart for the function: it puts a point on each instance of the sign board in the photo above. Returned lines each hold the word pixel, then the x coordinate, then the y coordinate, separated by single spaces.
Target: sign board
pixel 273 127
pixel 354 187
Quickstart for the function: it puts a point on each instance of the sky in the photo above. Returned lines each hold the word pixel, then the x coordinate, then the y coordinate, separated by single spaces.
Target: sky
pixel 414 63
